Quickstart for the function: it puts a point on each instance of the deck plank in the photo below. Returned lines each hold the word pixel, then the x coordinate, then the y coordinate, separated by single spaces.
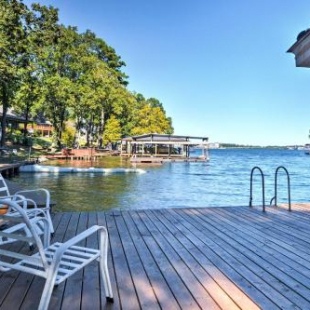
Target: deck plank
pixel 173 253
pixel 74 285
pixel 104 220
pixel 205 272
pixel 194 258
pixel 149 271
pixel 172 285
pixel 223 263
pixel 125 285
pixel 280 282
pixel 66 229
pixel 91 273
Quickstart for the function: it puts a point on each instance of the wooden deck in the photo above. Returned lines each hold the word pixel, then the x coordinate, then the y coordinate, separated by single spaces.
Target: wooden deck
pixel 10 168
pixel 211 258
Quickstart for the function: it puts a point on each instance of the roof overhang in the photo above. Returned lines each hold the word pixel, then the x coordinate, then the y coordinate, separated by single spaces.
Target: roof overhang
pixel 13 118
pixel 301 49
pixel 166 139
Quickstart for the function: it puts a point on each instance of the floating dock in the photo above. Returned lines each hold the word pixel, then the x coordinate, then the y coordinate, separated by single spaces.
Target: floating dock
pixel 56 169
pixel 88 154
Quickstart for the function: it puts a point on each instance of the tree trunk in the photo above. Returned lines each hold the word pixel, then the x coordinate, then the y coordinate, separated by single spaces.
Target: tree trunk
pixel 26 124
pixel 5 106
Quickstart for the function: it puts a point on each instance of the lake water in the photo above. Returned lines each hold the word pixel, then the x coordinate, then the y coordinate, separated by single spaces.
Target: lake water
pixel 223 181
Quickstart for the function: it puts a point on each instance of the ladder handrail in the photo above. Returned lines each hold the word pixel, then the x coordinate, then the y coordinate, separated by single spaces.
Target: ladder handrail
pixel 263 186
pixel 288 186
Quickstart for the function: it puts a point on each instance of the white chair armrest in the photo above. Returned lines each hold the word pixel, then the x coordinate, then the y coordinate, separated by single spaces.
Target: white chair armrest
pixel 83 235
pixel 20 200
pixel 37 190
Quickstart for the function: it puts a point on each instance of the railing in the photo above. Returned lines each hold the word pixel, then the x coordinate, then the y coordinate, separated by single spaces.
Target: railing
pixel 263 186
pixel 276 187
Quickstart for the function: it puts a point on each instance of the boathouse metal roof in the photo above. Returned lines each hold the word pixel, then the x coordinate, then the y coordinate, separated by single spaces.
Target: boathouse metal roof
pixel 164 138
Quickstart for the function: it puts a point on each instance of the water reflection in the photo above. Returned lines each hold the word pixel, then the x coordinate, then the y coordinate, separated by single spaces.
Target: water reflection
pixel 82 192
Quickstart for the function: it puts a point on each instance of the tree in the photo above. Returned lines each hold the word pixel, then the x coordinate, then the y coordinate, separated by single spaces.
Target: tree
pixel 150 120
pixel 112 131
pixel 53 71
pixel 58 87
pixel 26 98
pixel 123 104
pixel 13 53
pixel 30 33
pixel 91 92
pixel 97 75
pixel 43 31
pixel 150 117
pixel 105 53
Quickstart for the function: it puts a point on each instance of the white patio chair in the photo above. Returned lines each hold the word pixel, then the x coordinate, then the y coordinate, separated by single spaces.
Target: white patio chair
pixel 20 195
pixel 12 226
pixel 54 262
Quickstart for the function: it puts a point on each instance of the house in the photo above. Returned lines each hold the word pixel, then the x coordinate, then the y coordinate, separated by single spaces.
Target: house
pixel 301 49
pixel 13 121
pixel 43 129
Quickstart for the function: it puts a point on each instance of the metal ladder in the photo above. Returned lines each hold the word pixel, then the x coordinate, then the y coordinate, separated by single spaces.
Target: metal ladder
pixel 275 187
pixel 263 186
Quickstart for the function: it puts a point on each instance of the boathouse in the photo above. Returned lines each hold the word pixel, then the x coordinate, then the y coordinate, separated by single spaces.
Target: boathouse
pixel 159 148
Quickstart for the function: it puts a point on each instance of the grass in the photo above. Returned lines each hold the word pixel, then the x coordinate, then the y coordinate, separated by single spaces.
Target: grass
pixel 17 152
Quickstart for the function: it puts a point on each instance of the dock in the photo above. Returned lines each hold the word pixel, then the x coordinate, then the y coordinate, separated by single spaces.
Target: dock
pixel 146 160
pixel 193 258
pixel 10 169
pixel 167 159
pixel 88 154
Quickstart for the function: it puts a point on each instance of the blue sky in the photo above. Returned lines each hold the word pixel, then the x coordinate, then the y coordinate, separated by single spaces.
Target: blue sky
pixel 220 68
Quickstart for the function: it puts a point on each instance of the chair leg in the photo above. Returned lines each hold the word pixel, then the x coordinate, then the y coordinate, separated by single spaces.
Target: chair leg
pixel 104 266
pixel 47 293
pixel 106 280
pixel 50 222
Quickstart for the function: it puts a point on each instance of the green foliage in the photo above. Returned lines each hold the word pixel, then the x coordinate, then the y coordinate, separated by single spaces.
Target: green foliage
pixel 51 71
pixel 112 131
pixel 150 117
pixel 13 52
pixel 68 136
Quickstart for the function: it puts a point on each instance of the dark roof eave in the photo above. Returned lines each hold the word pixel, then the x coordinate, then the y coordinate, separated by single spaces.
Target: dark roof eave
pixel 168 136
pixel 298 41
